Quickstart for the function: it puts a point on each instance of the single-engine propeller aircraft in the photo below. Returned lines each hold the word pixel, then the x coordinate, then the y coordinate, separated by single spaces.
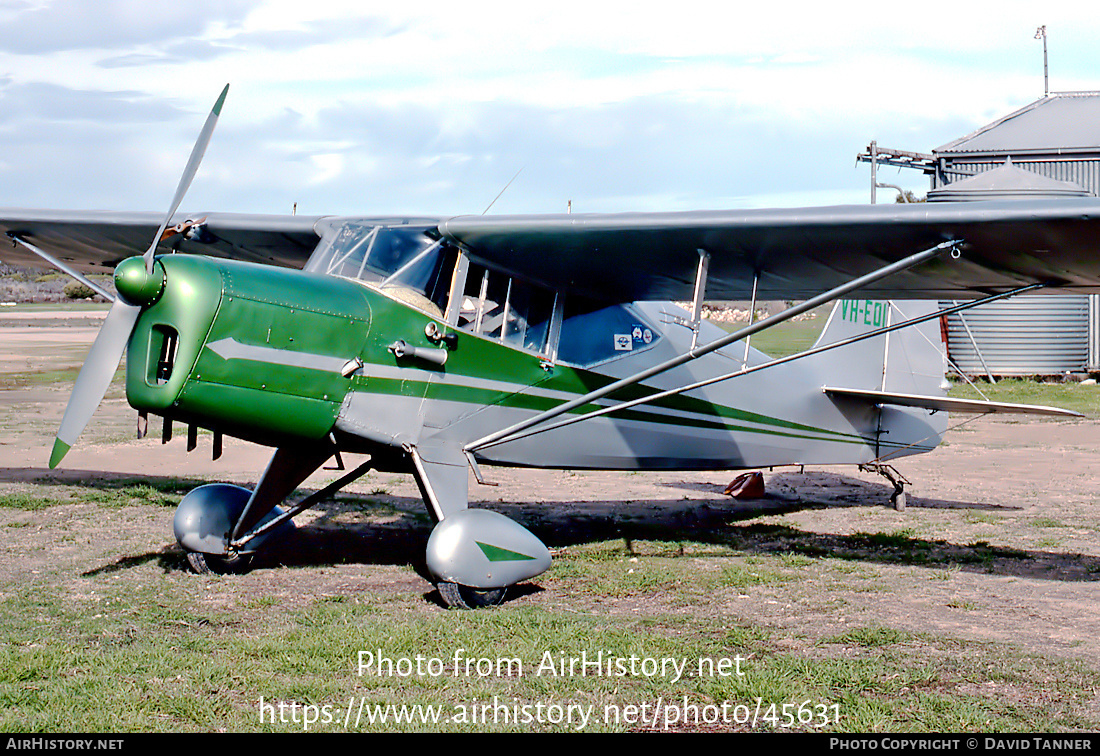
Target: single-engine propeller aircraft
pixel 438 345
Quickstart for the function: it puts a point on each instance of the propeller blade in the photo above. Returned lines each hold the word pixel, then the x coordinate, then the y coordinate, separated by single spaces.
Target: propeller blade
pixel 110 344
pixel 188 174
pixel 95 376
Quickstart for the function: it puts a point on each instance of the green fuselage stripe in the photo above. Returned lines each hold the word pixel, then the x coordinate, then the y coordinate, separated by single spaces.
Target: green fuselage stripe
pixel 722 415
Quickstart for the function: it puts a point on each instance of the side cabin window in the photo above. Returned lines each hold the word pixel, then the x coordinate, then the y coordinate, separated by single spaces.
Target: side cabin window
pixel 594 332
pixel 569 329
pixel 507 309
pixel 410 263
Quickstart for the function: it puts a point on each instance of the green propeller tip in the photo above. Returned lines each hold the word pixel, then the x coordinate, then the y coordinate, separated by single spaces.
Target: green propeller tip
pixel 221 101
pixel 60 449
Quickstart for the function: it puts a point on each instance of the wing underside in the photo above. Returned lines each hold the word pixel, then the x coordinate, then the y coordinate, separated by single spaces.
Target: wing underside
pixel 797 253
pixel 789 254
pixel 96 241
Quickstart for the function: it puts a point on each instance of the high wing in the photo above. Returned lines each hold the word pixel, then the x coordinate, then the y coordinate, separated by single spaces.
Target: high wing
pixel 793 253
pixel 797 253
pixel 96 241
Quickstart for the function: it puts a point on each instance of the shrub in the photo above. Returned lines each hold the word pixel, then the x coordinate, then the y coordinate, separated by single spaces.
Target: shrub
pixel 77 290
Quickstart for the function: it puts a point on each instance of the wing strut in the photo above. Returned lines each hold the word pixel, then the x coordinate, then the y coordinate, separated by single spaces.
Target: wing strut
pixel 778 361
pixel 692 354
pixel 63 267
pixel 697 296
pixel 752 317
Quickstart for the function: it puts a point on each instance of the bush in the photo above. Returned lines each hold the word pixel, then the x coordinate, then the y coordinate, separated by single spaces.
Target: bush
pixel 77 290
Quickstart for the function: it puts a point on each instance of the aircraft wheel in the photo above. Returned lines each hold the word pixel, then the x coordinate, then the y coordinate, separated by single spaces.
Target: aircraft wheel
pixel 464 597
pixel 217 564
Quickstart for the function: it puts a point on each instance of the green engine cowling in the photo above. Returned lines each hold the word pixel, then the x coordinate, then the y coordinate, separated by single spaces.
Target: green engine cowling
pixel 253 350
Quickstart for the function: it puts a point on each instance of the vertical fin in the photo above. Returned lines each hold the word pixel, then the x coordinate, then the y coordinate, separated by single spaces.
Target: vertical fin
pixel 910 360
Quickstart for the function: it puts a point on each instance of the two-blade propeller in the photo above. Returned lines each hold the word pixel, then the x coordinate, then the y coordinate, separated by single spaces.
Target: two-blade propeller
pixel 110 344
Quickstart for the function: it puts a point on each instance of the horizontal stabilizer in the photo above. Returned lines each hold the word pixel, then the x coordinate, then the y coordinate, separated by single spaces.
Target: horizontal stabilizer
pixel 947 404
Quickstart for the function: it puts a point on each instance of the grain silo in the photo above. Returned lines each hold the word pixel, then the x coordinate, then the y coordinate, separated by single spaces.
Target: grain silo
pixel 1050 148
pixel 1032 334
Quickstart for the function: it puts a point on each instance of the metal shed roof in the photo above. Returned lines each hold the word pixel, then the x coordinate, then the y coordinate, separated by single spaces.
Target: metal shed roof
pixel 1061 123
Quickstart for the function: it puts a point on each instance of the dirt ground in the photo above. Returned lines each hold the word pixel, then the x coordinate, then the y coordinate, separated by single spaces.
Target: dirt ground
pixel 999 541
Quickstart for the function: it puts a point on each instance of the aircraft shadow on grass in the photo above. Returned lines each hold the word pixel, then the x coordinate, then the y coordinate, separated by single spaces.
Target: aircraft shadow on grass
pixel 383 529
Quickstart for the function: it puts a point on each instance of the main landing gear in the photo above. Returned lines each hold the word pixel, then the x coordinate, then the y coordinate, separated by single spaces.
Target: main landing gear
pixel 202 524
pixel 473 555
pixel 221 527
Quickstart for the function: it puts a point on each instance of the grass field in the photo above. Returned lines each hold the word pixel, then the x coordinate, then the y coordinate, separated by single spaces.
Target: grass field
pixel 101 643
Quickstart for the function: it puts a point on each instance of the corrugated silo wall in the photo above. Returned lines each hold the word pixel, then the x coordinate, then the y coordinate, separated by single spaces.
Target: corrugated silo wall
pixel 1083 171
pixel 1026 335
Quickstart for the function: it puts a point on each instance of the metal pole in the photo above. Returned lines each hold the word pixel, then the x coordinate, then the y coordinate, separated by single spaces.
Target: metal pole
pixel 874 171
pixel 1041 33
pixel 977 349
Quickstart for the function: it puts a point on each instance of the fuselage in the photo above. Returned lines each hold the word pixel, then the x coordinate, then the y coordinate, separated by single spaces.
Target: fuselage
pixel 439 348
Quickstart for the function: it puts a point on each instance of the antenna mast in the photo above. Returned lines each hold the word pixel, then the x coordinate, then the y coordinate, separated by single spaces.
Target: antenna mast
pixel 1041 33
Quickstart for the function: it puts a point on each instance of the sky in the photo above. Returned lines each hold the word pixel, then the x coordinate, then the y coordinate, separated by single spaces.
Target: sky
pixel 364 108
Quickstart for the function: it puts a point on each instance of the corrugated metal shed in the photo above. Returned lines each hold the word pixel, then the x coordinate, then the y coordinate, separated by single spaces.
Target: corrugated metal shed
pixel 1057 137
pixel 1061 123
pixel 1050 147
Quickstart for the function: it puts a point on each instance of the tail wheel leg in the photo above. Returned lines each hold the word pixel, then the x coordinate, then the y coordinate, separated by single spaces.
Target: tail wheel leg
pixel 897 498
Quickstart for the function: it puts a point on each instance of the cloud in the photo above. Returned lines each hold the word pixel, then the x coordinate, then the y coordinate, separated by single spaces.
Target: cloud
pixel 54 25
pixel 41 102
pixel 434 106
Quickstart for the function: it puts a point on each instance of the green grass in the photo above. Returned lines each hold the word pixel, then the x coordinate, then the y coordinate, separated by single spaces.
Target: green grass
pixel 1070 395
pixel 787 338
pixel 104 492
pixel 151 656
pixel 141 646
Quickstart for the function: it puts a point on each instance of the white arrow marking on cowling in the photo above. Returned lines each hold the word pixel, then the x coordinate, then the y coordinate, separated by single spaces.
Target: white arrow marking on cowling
pixel 231 349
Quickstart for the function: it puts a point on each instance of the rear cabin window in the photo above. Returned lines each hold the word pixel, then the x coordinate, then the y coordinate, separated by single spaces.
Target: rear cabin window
pixel 594 332
pixel 506 309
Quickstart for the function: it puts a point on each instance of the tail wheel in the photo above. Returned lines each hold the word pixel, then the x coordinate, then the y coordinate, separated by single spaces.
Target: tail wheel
pixel 464 597
pixel 218 564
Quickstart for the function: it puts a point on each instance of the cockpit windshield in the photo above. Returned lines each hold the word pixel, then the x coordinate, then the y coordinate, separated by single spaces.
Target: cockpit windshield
pixel 369 251
pixel 410 263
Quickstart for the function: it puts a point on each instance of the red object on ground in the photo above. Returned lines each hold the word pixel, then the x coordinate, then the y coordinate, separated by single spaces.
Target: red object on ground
pixel 748 485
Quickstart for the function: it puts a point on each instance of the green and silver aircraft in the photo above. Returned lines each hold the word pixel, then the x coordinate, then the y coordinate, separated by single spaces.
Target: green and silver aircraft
pixel 438 345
